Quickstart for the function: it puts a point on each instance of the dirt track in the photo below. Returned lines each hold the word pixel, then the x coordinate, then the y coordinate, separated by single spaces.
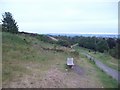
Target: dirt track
pixel 77 69
pixel 53 78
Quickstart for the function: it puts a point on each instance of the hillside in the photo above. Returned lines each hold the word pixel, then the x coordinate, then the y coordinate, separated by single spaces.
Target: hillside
pixel 0 56
pixel 29 62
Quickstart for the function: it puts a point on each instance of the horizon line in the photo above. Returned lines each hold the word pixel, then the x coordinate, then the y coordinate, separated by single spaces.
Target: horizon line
pixel 70 33
pixel 84 33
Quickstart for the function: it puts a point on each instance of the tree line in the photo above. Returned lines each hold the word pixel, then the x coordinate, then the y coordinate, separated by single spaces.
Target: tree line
pixel 103 45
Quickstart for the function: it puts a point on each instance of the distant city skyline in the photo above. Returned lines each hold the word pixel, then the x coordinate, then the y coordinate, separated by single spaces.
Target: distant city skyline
pixel 64 16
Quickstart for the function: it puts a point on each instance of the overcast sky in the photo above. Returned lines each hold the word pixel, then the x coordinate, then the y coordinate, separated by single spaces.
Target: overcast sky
pixel 63 16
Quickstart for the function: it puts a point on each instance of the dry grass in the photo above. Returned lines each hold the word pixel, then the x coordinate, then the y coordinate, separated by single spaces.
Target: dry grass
pixel 51 78
pixel 29 66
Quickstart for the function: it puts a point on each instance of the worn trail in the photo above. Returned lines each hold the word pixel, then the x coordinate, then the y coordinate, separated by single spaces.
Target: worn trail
pixel 78 69
pixel 110 71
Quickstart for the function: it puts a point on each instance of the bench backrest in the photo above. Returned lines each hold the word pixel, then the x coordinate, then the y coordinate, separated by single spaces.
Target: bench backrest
pixel 70 61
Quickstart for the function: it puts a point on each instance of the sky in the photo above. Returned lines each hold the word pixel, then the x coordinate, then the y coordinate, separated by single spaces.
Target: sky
pixel 64 16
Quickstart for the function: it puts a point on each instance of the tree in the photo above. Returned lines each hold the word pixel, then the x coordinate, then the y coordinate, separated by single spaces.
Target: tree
pixel 102 45
pixel 63 43
pixel 111 43
pixel 9 24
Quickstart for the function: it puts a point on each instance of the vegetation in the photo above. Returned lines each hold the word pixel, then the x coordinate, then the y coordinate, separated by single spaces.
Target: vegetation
pixel 108 45
pixel 103 57
pixel 9 24
pixel 42 60
pixel 23 55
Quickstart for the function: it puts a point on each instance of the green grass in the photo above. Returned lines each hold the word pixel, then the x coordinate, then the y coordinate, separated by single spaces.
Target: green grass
pixel 16 51
pixel 107 81
pixel 13 48
pixel 103 57
pixel 11 70
pixel 106 59
pixel 22 51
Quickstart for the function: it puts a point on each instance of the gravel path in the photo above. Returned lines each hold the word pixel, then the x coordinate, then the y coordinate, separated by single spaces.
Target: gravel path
pixel 110 71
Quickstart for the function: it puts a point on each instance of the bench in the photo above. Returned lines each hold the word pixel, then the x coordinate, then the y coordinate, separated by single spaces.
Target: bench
pixel 70 62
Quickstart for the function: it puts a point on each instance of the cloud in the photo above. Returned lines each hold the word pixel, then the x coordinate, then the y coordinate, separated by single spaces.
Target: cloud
pixel 63 15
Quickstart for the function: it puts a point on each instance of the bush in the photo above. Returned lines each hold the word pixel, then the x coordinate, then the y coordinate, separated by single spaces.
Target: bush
pixel 75 53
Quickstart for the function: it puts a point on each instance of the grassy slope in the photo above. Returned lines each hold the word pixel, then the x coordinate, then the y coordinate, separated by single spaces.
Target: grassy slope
pixel 26 57
pixel 18 53
pixel 107 59
pixel 103 77
pixel 104 57
pixel 107 81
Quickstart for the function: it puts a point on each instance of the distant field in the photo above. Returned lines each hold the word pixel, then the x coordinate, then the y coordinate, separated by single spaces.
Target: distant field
pixel 26 63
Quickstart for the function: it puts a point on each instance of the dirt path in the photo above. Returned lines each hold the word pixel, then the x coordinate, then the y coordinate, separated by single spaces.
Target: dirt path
pixel 77 69
pixel 112 72
pixel 53 78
